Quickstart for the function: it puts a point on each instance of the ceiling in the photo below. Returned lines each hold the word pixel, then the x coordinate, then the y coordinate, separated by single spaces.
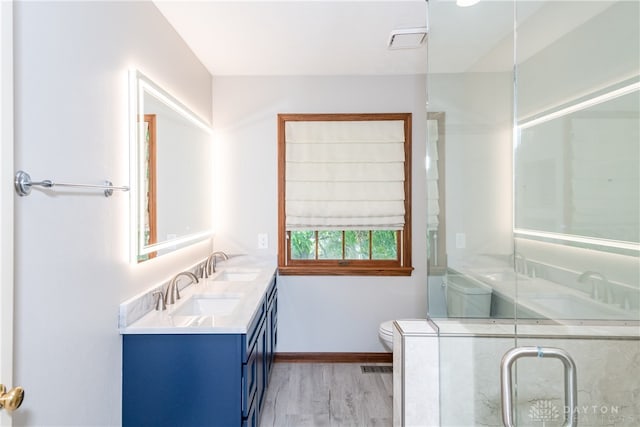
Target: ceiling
pixel 349 37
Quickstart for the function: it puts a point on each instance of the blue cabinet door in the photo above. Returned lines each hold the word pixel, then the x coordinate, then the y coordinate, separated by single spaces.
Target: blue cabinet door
pixel 182 380
pixel 262 366
pixel 250 382
pixel 272 331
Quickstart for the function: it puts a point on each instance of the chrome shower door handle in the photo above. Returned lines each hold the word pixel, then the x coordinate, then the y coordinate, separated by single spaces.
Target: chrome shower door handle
pixel 570 381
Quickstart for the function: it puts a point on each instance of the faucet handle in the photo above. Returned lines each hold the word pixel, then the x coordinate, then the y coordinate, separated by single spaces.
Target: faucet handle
pixel 160 302
pixel 201 271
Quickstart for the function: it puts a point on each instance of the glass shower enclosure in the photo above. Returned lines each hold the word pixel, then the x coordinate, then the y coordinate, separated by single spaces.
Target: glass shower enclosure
pixel 534 211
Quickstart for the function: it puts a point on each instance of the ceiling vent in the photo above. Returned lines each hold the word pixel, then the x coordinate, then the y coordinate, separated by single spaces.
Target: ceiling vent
pixel 407 38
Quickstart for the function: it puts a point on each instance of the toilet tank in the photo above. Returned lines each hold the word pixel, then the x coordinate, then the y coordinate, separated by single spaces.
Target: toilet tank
pixel 467 297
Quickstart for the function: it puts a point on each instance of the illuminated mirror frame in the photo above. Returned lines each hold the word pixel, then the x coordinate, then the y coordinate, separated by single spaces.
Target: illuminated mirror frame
pixel 139 84
pixel 631 248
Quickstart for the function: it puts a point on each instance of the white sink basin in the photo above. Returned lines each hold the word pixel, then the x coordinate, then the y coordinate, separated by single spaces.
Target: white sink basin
pixel 207 305
pixel 237 275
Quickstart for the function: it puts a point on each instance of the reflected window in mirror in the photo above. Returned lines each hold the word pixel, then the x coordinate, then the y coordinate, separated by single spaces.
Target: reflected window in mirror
pixel 150 221
pixel 435 164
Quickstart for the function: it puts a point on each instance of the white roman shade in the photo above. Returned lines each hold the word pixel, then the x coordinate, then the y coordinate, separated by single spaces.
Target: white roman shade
pixel 345 174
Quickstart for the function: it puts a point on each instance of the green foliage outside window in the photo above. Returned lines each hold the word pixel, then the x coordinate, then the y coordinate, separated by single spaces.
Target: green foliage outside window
pixel 303 245
pixel 358 245
pixel 385 245
pixel 329 245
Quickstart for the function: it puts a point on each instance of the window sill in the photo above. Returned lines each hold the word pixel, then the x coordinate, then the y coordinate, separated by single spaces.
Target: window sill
pixel 344 271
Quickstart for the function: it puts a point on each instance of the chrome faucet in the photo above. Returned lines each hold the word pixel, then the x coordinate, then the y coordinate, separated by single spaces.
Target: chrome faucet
pixel 598 283
pixel 172 292
pixel 210 263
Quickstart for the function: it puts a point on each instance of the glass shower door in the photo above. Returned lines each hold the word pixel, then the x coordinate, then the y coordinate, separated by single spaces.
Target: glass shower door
pixel 576 215
pixel 542 205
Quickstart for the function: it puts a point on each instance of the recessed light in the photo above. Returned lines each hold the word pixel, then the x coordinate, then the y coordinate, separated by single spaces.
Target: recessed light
pixel 407 38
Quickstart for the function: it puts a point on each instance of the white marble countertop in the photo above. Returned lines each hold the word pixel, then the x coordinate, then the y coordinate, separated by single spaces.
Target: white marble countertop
pixel 250 294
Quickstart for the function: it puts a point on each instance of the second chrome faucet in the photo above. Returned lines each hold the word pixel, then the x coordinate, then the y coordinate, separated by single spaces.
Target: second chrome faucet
pixel 172 293
pixel 210 264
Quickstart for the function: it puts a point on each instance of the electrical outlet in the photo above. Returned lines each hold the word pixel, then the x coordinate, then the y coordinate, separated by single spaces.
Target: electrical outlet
pixel 263 241
pixel 461 240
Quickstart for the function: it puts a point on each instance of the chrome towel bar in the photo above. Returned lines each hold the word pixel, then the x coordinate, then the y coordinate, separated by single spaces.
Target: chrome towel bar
pixel 23 184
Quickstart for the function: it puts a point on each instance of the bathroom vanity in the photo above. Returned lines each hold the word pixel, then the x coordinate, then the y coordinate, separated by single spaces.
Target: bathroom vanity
pixel 207 359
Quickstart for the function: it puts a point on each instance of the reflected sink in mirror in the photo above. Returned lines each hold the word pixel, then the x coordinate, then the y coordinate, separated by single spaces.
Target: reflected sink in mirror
pixel 207 305
pixel 237 275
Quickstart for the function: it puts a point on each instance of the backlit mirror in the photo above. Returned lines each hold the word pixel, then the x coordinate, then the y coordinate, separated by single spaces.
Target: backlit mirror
pixel 576 173
pixel 171 172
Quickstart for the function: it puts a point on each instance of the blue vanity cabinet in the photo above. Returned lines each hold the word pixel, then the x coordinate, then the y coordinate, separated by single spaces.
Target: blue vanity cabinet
pixel 199 379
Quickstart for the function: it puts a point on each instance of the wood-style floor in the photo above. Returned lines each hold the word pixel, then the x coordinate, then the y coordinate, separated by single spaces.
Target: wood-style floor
pixel 327 394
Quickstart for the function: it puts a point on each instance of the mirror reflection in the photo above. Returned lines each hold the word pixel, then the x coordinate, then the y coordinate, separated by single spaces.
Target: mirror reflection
pixel 436 201
pixel 171 160
pixel 576 171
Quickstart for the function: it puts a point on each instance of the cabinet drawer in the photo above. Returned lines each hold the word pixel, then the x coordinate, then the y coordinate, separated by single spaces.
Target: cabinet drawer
pixel 249 381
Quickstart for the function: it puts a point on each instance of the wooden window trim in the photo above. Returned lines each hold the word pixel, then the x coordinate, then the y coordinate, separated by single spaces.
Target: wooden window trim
pixel 400 267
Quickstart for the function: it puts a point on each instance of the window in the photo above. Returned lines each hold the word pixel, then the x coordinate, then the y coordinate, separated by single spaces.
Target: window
pixel 344 187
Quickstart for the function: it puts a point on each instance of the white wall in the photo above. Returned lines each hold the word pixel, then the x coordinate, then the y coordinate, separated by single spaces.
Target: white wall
pixel 71 250
pixel 6 200
pixel 316 314
pixel 603 51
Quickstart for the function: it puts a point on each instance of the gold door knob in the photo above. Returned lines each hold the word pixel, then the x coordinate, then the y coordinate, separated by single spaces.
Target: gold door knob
pixel 12 399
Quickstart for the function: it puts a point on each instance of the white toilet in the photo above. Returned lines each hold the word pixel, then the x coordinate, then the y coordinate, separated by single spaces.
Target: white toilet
pixel 465 298
pixel 385 333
